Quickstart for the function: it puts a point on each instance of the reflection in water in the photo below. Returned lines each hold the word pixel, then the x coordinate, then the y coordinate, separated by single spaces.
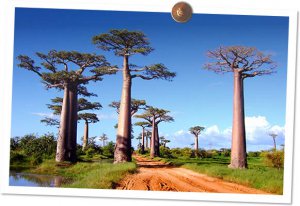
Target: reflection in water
pixel 35 180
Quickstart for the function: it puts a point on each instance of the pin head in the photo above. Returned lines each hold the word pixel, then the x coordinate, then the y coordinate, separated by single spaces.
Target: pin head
pixel 182 12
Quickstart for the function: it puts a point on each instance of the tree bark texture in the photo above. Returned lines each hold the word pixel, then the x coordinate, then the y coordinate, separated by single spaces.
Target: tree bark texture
pixel 152 140
pixel 196 146
pixel 123 143
pixel 85 135
pixel 238 145
pixel 156 150
pixel 73 118
pixel 63 128
pixel 143 140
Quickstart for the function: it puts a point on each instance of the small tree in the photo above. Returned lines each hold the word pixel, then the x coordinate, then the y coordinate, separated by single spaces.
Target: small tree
pixel 103 138
pixel 244 63
pixel 273 135
pixel 196 130
pixel 125 44
pixel 143 125
pixel 155 116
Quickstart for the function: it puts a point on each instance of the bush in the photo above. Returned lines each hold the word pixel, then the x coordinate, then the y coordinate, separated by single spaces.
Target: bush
pixel 16 157
pixel 225 152
pixel 254 154
pixel 274 158
pixel 165 152
pixel 90 152
pixel 204 154
pixel 109 149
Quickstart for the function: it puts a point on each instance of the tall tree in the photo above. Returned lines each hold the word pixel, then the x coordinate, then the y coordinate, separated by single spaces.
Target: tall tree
pixel 125 44
pixel 155 116
pixel 65 70
pixel 83 105
pixel 143 125
pixel 243 62
pixel 196 130
pixel 273 135
pixel 148 135
pixel 103 138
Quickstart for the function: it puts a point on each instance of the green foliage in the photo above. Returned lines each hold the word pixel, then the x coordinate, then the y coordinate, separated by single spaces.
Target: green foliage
pixel 165 152
pixel 274 158
pixel 98 175
pixel 225 152
pixel 16 157
pixel 182 152
pixel 254 154
pixel 257 175
pixel 32 149
pixel 108 150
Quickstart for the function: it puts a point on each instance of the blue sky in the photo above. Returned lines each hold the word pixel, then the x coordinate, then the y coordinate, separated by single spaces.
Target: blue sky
pixel 194 97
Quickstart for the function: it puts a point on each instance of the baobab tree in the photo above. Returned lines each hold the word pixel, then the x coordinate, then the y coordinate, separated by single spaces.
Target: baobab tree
pixel 143 125
pixel 273 135
pixel 155 116
pixel 103 138
pixel 135 105
pixel 65 70
pixel 148 135
pixel 83 104
pixel 164 141
pixel 125 44
pixel 243 62
pixel 87 118
pixel 196 130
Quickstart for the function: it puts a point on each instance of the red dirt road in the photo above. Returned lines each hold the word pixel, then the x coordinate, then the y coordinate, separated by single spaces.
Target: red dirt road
pixel 158 176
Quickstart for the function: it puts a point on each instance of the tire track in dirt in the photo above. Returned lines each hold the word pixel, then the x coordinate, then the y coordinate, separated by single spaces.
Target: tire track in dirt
pixel 159 176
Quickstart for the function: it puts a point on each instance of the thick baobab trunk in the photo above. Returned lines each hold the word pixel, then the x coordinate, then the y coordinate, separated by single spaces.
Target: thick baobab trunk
pixel 238 146
pixel 63 128
pixel 123 143
pixel 85 135
pixel 143 141
pixel 156 141
pixel 73 118
pixel 152 140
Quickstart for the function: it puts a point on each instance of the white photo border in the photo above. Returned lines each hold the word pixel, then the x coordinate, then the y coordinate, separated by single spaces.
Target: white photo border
pixel 7 30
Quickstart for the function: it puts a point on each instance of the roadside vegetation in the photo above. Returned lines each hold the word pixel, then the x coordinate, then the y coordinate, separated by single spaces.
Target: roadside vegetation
pixel 94 168
pixel 265 168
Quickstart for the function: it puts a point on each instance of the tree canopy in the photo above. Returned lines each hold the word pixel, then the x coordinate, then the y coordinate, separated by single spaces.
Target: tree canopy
pixel 247 60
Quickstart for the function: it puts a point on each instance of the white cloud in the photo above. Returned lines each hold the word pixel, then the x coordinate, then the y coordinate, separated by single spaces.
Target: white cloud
pixel 49 115
pixel 257 134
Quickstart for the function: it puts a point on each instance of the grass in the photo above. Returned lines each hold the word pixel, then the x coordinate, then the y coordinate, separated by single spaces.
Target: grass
pixel 256 176
pixel 98 175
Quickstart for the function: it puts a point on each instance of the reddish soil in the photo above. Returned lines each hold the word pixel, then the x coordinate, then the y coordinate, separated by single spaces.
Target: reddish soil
pixel 159 176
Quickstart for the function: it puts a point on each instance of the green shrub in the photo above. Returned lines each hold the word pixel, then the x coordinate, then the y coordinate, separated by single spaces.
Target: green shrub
pixel 16 157
pixel 90 152
pixel 165 152
pixel 254 154
pixel 204 154
pixel 109 149
pixel 274 158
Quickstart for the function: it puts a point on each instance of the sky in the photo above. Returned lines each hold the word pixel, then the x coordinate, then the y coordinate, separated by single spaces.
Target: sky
pixel 194 97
